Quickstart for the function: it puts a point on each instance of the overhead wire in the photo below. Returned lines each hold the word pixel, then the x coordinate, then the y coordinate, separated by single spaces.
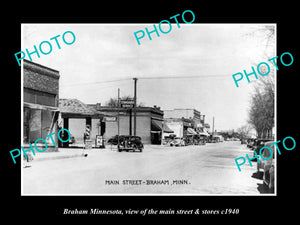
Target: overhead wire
pixel 147 78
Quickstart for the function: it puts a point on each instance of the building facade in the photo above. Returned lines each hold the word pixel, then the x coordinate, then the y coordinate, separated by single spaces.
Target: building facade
pixel 185 122
pixel 40 104
pixel 104 121
pixel 76 116
pixel 148 122
pixel 181 127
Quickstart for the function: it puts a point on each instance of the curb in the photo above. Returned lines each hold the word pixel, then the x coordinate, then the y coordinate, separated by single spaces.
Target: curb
pixel 57 157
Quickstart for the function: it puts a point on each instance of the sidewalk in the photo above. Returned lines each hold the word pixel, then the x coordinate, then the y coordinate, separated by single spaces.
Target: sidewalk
pixel 63 153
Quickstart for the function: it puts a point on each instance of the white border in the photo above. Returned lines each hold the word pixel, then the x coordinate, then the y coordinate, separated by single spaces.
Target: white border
pixel 149 194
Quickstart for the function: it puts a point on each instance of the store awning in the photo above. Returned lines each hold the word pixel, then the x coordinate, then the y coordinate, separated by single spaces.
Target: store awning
pixel 167 129
pixel 155 126
pixel 191 131
pixel 204 133
pixel 42 107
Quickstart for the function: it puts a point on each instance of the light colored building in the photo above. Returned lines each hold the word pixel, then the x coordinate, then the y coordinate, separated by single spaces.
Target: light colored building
pixel 192 114
pixel 76 116
pixel 148 122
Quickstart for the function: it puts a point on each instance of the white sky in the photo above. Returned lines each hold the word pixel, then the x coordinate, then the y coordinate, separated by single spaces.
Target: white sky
pixel 109 52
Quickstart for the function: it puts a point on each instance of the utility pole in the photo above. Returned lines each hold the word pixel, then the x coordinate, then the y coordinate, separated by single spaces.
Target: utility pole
pixel 118 117
pixel 134 112
pixel 213 130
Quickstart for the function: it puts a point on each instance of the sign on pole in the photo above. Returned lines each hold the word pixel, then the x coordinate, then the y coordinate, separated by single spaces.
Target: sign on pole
pixel 129 103
pixel 110 119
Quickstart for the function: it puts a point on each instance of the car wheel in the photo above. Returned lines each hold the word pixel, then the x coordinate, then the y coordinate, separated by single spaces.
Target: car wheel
pixel 134 147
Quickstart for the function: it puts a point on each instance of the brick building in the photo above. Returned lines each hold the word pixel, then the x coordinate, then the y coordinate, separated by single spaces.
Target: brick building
pixel 148 122
pixel 40 103
pixel 103 121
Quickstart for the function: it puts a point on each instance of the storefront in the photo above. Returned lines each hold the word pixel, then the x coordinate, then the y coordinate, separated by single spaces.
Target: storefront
pixel 148 122
pixel 76 117
pixel 40 104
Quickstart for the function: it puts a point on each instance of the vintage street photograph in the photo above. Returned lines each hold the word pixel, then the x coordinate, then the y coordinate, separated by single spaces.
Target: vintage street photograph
pixel 130 109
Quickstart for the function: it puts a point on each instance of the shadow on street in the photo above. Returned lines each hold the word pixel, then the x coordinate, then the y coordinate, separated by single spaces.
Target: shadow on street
pixel 264 189
pixel 258 175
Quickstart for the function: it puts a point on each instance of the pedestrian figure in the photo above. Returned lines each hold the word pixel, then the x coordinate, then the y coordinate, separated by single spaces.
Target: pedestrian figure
pixel 27 160
pixel 86 136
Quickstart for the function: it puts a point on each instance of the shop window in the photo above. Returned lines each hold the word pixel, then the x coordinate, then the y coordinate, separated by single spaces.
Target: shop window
pixel 46 121
pixel 37 124
pixel 26 118
pixel 38 97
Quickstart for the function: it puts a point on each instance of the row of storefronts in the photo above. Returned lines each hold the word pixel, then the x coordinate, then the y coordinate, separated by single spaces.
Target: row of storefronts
pixel 44 113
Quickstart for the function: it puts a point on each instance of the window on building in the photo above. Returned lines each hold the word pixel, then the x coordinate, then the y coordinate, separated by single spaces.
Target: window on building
pixel 37 124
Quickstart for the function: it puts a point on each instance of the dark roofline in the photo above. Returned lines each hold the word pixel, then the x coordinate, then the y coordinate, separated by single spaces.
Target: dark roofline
pixel 138 109
pixel 40 68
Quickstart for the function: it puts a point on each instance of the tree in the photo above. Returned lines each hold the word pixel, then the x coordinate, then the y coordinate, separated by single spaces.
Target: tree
pixel 113 102
pixel 261 113
pixel 244 131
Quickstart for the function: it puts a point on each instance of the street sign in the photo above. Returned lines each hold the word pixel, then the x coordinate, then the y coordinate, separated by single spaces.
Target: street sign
pixel 110 119
pixel 129 103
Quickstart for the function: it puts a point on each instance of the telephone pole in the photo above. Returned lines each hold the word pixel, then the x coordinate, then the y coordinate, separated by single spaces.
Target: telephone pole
pixel 213 130
pixel 134 109
pixel 118 117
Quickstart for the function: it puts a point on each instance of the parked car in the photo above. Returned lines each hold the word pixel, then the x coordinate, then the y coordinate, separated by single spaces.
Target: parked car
pixel 254 144
pixel 250 143
pixel 177 142
pixel 243 141
pixel 114 140
pixel 259 144
pixel 268 166
pixel 128 143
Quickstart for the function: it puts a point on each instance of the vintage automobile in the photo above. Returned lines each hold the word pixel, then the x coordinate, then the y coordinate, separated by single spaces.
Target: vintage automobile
pixel 243 141
pixel 178 142
pixel 268 166
pixel 113 140
pixel 250 143
pixel 259 144
pixel 130 143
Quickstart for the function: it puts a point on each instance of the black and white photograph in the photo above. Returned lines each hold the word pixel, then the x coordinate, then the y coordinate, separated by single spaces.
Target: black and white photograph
pixel 149 111
pixel 138 109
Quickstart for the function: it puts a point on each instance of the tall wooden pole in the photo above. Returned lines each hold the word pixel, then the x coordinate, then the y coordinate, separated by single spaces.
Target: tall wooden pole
pixel 118 117
pixel 134 109
pixel 213 130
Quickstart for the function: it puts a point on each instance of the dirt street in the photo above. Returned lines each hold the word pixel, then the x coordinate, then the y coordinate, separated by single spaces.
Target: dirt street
pixel 202 170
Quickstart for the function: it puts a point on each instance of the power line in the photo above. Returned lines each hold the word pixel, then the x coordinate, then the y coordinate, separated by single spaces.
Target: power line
pixel 183 77
pixel 149 78
pixel 96 82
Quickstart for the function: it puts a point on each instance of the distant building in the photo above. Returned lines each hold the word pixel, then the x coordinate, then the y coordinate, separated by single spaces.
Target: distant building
pixel 40 104
pixel 192 114
pixel 181 127
pixel 184 122
pixel 148 122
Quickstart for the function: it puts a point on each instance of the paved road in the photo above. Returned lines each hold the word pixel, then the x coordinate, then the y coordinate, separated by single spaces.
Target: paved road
pixel 204 170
